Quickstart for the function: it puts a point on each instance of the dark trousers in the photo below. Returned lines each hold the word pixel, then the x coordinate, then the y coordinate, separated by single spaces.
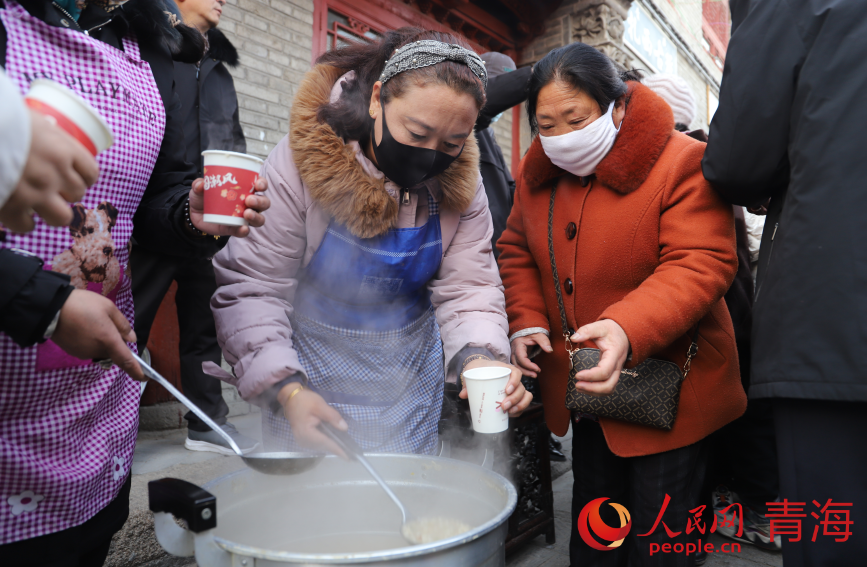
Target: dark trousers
pixel 743 454
pixel 152 275
pixel 823 454
pixel 639 484
pixel 85 545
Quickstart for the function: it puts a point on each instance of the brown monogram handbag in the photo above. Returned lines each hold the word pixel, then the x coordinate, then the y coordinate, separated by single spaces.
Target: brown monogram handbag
pixel 647 394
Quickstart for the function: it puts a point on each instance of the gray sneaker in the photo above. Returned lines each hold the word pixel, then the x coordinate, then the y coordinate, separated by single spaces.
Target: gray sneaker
pixel 213 442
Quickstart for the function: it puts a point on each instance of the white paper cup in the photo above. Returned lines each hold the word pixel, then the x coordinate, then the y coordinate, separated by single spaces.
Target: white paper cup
pixel 486 388
pixel 229 177
pixel 70 112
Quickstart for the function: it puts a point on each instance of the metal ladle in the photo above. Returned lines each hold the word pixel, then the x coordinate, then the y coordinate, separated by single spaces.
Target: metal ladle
pixel 276 463
pixel 354 452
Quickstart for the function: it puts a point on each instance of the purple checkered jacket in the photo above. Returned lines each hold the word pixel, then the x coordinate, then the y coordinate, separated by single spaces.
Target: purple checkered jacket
pixel 67 427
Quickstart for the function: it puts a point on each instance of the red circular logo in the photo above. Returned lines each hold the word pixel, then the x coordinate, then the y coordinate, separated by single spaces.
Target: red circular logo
pixel 589 519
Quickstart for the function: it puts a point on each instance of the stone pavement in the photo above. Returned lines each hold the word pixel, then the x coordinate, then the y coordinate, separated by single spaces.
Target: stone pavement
pixel 160 454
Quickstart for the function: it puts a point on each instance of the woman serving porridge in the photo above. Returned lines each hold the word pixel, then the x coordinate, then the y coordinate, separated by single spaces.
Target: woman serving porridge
pixel 376 277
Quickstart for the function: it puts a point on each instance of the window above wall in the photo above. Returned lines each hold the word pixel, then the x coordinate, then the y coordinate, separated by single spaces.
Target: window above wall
pixel 489 25
pixel 343 30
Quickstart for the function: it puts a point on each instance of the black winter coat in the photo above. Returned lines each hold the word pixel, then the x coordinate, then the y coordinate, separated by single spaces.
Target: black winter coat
pixel 503 92
pixel 207 93
pixel 790 126
pixel 27 304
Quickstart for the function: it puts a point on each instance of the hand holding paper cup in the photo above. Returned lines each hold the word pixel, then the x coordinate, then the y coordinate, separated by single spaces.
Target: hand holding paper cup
pixel 486 389
pixel 229 178
pixel 71 113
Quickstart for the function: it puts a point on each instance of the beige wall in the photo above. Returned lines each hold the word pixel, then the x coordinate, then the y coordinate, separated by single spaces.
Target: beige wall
pixel 274 39
pixel 699 90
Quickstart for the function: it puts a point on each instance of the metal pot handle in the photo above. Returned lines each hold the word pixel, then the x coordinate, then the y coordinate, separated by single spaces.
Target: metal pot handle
pixel 173 538
pixel 197 507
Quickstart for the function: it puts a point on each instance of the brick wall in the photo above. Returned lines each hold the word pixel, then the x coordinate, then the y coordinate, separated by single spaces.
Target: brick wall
pixel 556 34
pixel 274 39
pixel 503 135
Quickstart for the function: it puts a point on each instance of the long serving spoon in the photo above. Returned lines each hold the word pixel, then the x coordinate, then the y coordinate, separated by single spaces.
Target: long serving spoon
pixel 354 452
pixel 276 463
pixel 415 530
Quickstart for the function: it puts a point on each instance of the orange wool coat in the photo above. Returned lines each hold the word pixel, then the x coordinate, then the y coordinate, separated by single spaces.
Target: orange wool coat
pixel 654 250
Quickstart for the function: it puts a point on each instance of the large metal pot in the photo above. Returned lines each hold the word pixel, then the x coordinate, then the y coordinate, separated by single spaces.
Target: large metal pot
pixel 334 514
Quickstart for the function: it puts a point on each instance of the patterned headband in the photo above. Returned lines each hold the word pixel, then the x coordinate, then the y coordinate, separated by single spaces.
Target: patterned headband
pixel 429 52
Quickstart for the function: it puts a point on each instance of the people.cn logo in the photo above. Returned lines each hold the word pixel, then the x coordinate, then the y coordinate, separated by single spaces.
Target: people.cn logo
pixel 589 519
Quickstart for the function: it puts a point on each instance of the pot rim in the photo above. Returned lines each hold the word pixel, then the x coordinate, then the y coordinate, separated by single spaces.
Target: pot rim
pixel 382 555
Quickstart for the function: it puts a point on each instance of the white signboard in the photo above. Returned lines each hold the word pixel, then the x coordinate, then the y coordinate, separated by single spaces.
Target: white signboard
pixel 649 42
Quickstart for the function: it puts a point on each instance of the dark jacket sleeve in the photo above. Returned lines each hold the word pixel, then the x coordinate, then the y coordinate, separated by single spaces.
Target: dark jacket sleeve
pixel 30 297
pixel 504 92
pixel 237 131
pixel 160 221
pixel 746 159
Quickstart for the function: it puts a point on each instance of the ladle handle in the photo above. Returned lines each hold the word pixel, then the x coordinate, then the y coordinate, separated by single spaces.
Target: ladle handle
pixel 343 439
pixel 354 451
pixel 153 375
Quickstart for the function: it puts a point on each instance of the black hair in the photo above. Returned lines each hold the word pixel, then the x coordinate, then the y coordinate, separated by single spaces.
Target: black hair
pixel 583 68
pixel 681 127
pixel 349 115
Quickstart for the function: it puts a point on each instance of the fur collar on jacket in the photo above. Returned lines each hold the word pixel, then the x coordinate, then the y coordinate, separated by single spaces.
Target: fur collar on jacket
pixel 646 129
pixel 151 20
pixel 338 182
pixel 221 49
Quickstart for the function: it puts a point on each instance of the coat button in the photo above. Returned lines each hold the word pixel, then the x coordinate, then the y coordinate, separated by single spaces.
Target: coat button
pixel 567 285
pixel 571 230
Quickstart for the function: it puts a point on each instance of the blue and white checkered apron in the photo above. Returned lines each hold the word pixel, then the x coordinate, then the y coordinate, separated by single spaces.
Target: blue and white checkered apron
pixel 367 337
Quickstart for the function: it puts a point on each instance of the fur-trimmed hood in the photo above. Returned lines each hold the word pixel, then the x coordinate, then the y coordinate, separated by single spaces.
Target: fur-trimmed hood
pixel 337 180
pixel 646 129
pixel 221 49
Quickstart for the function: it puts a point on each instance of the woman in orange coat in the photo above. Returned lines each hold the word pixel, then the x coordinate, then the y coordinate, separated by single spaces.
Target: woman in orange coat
pixel 645 250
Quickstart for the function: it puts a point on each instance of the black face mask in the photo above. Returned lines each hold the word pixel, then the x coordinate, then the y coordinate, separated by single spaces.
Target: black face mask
pixel 408 165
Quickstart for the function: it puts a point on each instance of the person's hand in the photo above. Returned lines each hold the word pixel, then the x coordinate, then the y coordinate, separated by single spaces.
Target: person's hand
pixel 614 347
pixel 521 348
pixel 761 209
pixel 256 205
pixel 92 327
pixel 305 411
pixel 58 171
pixel 517 397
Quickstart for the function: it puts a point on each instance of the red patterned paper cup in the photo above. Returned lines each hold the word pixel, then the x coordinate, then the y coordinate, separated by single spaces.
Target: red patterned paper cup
pixel 70 112
pixel 229 178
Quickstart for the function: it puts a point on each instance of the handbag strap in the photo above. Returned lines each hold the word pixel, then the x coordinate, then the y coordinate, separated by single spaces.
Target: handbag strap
pixel 693 347
pixel 557 289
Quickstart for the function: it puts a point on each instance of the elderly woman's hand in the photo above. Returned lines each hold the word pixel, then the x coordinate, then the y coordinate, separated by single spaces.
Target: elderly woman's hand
pixel 614 346
pixel 517 397
pixel 521 348
pixel 256 205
